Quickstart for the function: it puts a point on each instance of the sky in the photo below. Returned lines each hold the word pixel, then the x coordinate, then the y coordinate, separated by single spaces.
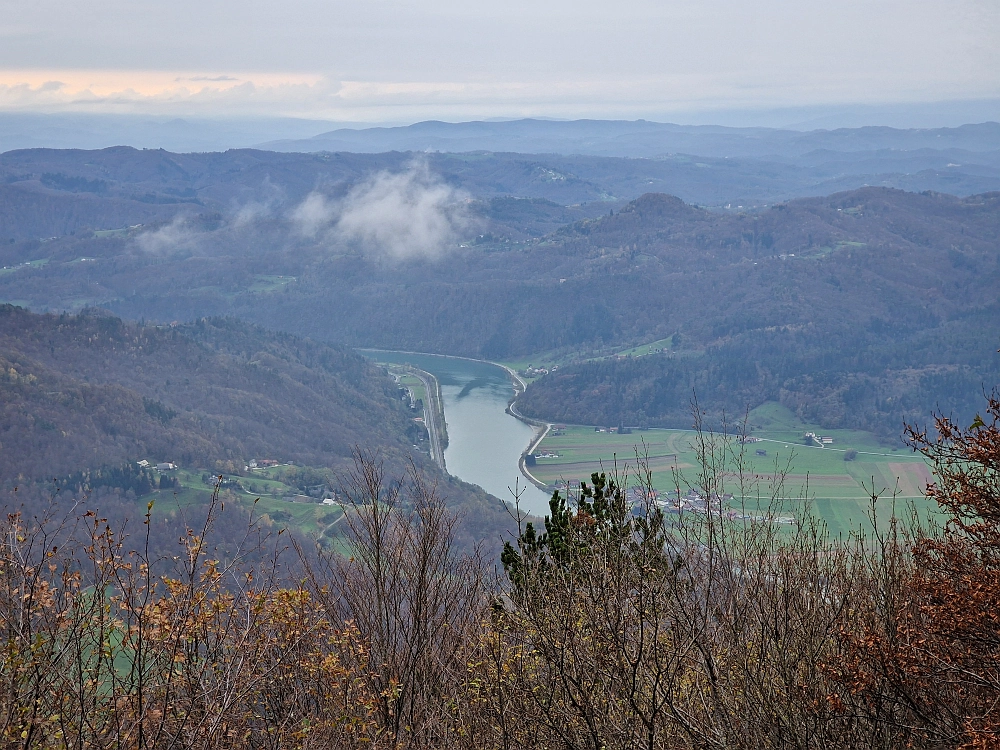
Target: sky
pixel 409 60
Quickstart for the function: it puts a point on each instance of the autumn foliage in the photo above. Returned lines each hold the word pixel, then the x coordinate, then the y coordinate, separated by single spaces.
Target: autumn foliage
pixel 611 625
pixel 99 652
pixel 926 652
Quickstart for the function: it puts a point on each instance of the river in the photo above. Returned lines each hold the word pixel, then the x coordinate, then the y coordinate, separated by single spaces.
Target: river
pixel 484 442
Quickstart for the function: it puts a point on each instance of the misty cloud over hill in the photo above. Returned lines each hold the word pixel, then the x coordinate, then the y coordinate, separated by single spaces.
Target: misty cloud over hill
pixel 50 193
pixel 861 308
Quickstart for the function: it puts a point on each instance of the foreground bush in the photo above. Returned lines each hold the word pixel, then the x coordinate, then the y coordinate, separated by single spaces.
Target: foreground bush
pixel 615 626
pixel 97 652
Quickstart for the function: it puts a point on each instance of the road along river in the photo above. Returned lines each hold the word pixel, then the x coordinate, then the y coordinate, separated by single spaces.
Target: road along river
pixel 485 443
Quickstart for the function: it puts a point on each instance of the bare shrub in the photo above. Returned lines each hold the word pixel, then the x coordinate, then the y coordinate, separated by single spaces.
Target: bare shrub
pixel 927 656
pixel 412 598
pixel 98 652
pixel 624 627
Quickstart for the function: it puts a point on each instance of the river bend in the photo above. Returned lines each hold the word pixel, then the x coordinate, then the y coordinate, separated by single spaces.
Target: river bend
pixel 484 441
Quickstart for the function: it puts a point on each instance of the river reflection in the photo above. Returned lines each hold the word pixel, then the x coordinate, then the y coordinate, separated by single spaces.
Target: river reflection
pixel 484 442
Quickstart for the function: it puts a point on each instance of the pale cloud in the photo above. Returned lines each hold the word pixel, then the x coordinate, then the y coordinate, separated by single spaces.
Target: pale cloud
pixel 406 214
pixel 250 213
pixel 391 214
pixel 396 215
pixel 177 236
pixel 161 92
pixel 266 203
pixel 652 96
pixel 313 215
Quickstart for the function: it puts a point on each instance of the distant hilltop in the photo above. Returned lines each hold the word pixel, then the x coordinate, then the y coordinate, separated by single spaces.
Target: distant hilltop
pixel 640 138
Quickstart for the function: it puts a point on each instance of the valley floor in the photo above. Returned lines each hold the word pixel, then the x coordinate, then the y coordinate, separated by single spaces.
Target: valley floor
pixel 835 479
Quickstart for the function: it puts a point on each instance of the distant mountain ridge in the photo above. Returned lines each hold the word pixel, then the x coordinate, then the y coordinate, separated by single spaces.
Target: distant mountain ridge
pixel 637 138
pixel 47 193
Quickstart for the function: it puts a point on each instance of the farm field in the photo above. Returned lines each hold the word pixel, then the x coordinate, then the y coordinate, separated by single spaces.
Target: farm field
pixel 654 347
pixel 263 490
pixel 28 264
pixel 559 358
pixel 263 283
pixel 835 489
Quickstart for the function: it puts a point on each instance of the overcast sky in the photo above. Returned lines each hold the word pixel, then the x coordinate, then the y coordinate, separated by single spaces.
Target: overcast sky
pixel 396 60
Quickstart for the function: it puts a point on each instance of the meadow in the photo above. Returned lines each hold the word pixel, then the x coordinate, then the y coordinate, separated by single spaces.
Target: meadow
pixel 813 478
pixel 263 490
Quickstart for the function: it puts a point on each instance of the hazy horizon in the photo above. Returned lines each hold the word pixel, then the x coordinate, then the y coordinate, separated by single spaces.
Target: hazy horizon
pixel 88 130
pixel 389 62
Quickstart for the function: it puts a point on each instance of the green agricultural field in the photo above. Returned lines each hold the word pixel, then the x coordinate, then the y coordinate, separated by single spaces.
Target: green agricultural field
pixel 562 357
pixel 654 347
pixel 268 499
pixel 817 477
pixel 412 383
pixel 24 266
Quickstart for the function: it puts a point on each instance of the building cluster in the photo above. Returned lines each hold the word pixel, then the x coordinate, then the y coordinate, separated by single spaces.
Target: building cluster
pixel 261 463
pixel 693 501
pixel 620 430
pixel 812 437
pixel 536 372
pixel 162 466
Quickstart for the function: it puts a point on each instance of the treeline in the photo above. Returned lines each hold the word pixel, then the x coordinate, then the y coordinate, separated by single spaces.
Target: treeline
pixel 614 626
pixel 129 477
pixel 61 505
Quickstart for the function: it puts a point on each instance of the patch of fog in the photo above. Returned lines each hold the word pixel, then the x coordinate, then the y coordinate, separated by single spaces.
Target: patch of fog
pixel 270 197
pixel 408 214
pixel 313 215
pixel 177 235
pixel 402 215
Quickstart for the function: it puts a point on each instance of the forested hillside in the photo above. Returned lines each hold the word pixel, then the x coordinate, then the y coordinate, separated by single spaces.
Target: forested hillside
pixel 50 192
pixel 861 309
pixel 83 391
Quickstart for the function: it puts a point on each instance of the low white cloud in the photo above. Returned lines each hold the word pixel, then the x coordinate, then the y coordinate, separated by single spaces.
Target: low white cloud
pixel 250 213
pixel 406 214
pixel 170 238
pixel 266 202
pixel 313 215
pixel 395 214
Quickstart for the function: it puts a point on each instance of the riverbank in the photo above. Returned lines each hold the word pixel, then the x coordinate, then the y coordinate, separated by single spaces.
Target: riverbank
pixel 541 429
pixel 487 437
pixel 434 417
